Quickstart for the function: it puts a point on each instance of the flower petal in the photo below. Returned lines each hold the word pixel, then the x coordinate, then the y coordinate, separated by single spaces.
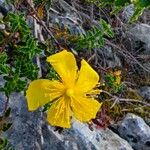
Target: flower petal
pixel 64 64
pixel 88 78
pixel 42 91
pixel 85 109
pixel 59 113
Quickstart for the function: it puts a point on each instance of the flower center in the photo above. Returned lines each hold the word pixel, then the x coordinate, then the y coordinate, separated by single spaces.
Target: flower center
pixel 69 92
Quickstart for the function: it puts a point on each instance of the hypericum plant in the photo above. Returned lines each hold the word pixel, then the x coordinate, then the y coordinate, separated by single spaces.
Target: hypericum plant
pixel 4 144
pixel 113 82
pixel 94 38
pixel 19 50
pixel 73 95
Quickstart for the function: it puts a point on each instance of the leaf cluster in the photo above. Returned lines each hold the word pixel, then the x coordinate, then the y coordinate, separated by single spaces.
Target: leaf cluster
pixel 18 56
pixel 4 144
pixel 95 37
pixel 111 83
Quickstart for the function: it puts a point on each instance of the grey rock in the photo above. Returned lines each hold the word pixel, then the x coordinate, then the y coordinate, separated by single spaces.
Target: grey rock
pixel 3 12
pixel 134 129
pixel 147 66
pixel 128 13
pixel 31 132
pixel 30 22
pixel 2 26
pixel 141 32
pixel 6 6
pixel 2 103
pixel 71 22
pixel 145 92
pixel 99 139
pixel 26 126
pixel 2 1
pixel 69 18
pixel 3 98
pixel 110 57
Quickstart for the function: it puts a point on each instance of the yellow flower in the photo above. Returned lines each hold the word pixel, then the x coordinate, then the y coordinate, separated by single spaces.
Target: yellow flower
pixel 71 96
pixel 117 75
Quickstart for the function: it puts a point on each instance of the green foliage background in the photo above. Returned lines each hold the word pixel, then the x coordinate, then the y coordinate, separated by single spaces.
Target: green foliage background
pixel 140 5
pixel 17 61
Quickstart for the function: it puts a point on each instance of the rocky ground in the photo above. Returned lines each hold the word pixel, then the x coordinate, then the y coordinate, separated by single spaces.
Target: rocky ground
pixel 29 130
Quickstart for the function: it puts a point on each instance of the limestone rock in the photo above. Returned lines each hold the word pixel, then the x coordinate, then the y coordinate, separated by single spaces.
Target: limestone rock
pixel 134 129
pixel 127 13
pixel 2 102
pixel 111 58
pixel 30 131
pixel 145 92
pixel 141 32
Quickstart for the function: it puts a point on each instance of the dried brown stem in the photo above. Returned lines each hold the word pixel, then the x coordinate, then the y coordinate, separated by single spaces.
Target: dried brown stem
pixel 118 100
pixel 44 26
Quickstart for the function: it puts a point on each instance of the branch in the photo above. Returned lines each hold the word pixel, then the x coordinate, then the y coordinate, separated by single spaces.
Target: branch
pixel 128 54
pixel 44 25
pixel 117 99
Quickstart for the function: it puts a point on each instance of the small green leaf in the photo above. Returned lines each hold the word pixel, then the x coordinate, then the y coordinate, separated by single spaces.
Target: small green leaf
pixel 7 113
pixel 3 143
pixel 6 126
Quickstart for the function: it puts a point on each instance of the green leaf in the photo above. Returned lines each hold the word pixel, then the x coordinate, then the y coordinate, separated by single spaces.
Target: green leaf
pixel 107 28
pixel 47 106
pixel 6 126
pixel 4 69
pixel 121 3
pixel 7 113
pixel 3 143
pixel 3 58
pixel 136 14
